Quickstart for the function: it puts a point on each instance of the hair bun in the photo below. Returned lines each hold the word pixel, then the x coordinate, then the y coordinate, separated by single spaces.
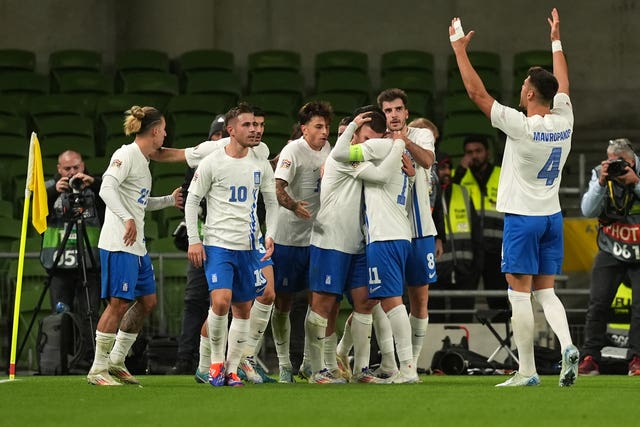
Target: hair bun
pixel 137 112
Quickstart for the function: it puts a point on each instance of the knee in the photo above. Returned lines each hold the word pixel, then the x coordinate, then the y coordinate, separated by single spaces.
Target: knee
pixel 268 296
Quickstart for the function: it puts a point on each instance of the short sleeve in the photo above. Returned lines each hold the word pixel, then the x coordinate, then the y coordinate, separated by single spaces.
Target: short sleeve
pixel 509 120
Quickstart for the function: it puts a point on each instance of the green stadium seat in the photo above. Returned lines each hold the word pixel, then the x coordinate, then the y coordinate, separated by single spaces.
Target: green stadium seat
pixel 277 130
pixel 491 80
pixel 186 141
pixel 459 103
pixel 274 60
pixel 277 81
pixel 23 82
pixel 62 61
pixel 197 104
pixel 481 60
pixel 17 60
pixel 56 105
pixel 151 229
pixel 406 60
pixel 468 124
pixel 342 60
pixel 13 126
pixel 8 106
pixel 522 61
pixel 275 104
pixel 223 84
pixel 344 81
pixel 162 169
pixel 96 165
pixel 52 146
pixel 113 143
pixel 195 61
pixel 157 84
pixel 420 104
pixel 409 81
pixel 141 60
pixel 64 126
pixel 191 126
pixel 83 83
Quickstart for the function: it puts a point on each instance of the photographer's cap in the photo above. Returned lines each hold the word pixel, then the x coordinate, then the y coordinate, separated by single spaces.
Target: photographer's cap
pixel 217 125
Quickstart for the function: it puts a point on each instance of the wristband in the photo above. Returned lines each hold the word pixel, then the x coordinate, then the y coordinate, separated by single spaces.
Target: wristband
pixel 556 46
pixel 458 33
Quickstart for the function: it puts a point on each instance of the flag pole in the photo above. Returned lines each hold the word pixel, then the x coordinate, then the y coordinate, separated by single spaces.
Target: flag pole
pixel 35 186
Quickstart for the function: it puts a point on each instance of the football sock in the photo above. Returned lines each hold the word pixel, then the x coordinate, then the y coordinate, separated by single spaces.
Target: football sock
pixel 315 327
pixel 124 341
pixel 305 354
pixel 522 323
pixel 104 344
pixel 217 327
pixel 346 342
pixel 330 344
pixel 205 354
pixel 399 319
pixel 238 334
pixel 418 332
pixel 555 314
pixel 258 320
pixel 361 332
pixel 384 337
pixel 281 330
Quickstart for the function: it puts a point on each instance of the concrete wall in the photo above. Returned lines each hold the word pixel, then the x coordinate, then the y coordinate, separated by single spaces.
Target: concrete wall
pixel 600 38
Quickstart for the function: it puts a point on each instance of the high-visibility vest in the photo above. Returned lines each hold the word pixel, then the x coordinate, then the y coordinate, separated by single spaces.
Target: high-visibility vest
pixel 458 247
pixel 491 221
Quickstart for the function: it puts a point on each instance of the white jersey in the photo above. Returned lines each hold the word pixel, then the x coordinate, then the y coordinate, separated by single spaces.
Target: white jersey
pixel 338 224
pixel 385 207
pixel 535 152
pixel 418 204
pixel 299 166
pixel 131 169
pixel 231 186
pixel 195 154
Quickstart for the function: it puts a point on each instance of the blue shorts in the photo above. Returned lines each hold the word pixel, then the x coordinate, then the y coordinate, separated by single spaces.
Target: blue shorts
pixel 291 268
pixel 126 275
pixel 421 267
pixel 235 270
pixel 532 244
pixel 336 272
pixel 387 263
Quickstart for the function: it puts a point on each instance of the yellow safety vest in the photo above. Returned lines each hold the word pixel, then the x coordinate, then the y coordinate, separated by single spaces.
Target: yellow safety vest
pixel 492 221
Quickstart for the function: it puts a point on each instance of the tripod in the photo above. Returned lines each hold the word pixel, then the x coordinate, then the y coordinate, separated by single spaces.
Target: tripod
pixel 82 244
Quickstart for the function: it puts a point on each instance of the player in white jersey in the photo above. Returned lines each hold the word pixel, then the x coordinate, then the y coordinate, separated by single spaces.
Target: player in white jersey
pixel 261 309
pixel 338 263
pixel 127 273
pixel 298 190
pixel 537 146
pixel 421 267
pixel 231 179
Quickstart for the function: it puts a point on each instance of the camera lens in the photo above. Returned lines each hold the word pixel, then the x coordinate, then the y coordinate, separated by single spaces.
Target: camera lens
pixel 75 183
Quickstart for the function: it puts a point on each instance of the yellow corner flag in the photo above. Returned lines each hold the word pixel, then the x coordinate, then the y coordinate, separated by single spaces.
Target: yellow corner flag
pixel 35 183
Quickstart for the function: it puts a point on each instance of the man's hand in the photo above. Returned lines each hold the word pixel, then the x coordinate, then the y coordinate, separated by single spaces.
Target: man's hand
pixel 456 35
pixel 269 246
pixel 301 210
pixel 629 178
pixel 360 119
pixel 604 173
pixel 86 179
pixel 178 200
pixel 62 185
pixel 465 161
pixel 130 232
pixel 196 254
pixel 407 165
pixel 554 23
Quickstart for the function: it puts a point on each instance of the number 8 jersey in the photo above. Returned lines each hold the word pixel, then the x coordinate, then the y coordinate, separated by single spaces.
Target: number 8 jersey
pixel 535 152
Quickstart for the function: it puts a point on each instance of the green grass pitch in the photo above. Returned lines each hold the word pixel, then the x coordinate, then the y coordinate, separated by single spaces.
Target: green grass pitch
pixel 437 401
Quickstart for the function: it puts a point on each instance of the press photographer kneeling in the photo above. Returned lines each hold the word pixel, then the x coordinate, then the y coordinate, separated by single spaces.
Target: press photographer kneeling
pixel 76 214
pixel 614 198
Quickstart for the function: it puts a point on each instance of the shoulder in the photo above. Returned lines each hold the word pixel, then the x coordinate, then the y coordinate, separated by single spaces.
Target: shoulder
pixel 261 150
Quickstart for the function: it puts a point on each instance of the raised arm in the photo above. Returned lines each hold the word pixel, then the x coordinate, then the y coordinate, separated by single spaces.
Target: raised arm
pixel 472 81
pixel 560 69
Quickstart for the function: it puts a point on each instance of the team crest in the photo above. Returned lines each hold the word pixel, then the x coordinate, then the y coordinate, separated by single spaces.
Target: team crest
pixel 214 278
pixel 125 287
pixel 116 163
pixel 355 165
pixel 256 177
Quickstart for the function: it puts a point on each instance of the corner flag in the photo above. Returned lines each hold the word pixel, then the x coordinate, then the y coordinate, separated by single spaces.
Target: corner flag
pixel 35 183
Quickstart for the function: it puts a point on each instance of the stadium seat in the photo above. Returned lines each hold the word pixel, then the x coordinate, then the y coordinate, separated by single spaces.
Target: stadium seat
pixel 210 105
pixel 23 82
pixel 452 145
pixel 115 142
pixel 409 81
pixel 490 79
pixel 151 229
pixel 171 285
pixel 13 147
pixel 344 81
pixel 162 169
pixel 277 131
pixel 342 104
pixel 221 83
pixel 468 124
pixel 8 106
pixel 274 60
pixel 420 104
pixel 75 60
pixel 350 60
pixel 459 103
pixel 17 60
pixel 157 84
pixel 141 60
pixel 274 104
pixel 406 60
pixel 83 83
pixel 64 126
pixel 187 141
pixel 52 146
pixel 191 126
pixel 56 105
pixel 277 81
pixel 96 165
pixel 13 126
pixel 481 60
pixel 522 61
pixel 195 61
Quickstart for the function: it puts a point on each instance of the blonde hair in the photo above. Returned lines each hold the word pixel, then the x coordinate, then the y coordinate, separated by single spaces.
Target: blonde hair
pixel 139 120
pixel 424 123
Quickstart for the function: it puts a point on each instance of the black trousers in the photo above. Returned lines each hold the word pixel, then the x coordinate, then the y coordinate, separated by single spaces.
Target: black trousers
pixel 196 306
pixel 606 276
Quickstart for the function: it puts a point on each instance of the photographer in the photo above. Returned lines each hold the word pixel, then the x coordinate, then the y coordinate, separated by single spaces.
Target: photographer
pixel 73 195
pixel 614 197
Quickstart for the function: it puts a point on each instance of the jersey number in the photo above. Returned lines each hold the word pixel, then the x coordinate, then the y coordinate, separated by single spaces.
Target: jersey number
pixel 144 193
pixel 551 169
pixel 374 278
pixel 238 194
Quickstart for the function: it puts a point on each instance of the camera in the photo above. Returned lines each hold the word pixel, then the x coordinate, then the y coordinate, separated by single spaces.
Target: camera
pixel 76 184
pixel 617 167
pixel 77 203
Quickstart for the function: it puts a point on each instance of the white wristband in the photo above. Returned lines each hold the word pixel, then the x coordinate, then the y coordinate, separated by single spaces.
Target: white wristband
pixel 458 33
pixel 556 46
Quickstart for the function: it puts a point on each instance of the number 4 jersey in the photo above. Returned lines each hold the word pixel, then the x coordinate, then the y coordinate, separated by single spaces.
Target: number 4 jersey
pixel 536 150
